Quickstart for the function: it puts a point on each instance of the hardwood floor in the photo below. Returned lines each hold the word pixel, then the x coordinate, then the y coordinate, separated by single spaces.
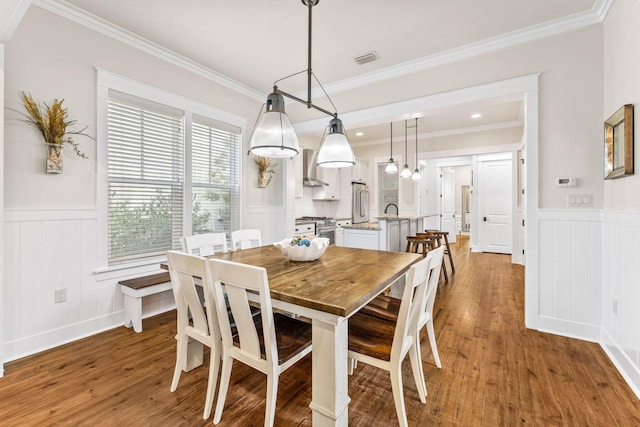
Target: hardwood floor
pixel 494 372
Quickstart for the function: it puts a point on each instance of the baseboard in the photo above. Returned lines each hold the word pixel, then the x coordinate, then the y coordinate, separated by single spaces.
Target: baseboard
pixel 625 367
pixel 40 342
pixel 569 329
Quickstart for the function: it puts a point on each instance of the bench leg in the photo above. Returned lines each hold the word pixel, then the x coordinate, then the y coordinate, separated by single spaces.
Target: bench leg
pixel 133 312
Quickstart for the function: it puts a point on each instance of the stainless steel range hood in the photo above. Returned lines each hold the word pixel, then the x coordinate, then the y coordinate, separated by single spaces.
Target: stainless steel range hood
pixel 309 169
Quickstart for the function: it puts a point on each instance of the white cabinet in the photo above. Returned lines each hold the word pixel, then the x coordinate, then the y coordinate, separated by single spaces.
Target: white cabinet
pixel 393 236
pixel 365 239
pixel 305 229
pixel 340 231
pixel 331 191
pixel 359 171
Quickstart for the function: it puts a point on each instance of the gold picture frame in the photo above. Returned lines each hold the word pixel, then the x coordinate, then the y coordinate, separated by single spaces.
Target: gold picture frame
pixel 618 143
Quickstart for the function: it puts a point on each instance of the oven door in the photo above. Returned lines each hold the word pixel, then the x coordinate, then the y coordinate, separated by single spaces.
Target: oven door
pixel 329 233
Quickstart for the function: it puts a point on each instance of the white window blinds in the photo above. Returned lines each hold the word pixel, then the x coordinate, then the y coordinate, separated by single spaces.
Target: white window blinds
pixel 146 170
pixel 215 176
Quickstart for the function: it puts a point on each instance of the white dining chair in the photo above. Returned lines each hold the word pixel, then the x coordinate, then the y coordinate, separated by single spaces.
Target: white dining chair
pixel 271 346
pixel 385 344
pixel 205 244
pixel 245 239
pixel 185 271
pixel 387 307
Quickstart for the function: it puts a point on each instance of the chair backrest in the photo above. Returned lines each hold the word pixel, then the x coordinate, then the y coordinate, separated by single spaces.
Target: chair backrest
pixel 205 244
pixel 413 301
pixel 437 256
pixel 186 270
pixel 239 280
pixel 245 239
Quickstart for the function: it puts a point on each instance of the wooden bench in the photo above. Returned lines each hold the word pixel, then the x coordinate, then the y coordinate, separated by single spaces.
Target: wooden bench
pixel 133 291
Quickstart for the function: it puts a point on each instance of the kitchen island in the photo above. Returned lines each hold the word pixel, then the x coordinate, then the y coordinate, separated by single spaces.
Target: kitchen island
pixel 387 233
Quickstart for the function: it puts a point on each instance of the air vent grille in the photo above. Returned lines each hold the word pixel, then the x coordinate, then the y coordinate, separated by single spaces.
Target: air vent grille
pixel 365 58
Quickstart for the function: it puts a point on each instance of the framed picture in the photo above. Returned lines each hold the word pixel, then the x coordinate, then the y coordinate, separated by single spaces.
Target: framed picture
pixel 618 143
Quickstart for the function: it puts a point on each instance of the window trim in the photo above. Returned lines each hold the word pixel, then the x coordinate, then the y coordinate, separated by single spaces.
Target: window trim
pixel 105 81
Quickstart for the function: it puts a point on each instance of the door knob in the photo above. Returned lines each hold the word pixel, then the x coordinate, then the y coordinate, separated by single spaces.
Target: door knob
pixel 484 219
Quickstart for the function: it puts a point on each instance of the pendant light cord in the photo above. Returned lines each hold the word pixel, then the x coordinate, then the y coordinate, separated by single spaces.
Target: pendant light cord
pixel 405 143
pixel 416 143
pixel 391 142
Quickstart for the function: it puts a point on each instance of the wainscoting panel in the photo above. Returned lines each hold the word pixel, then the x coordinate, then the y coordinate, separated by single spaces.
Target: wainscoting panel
pixel 570 273
pixel 271 220
pixel 621 296
pixel 46 250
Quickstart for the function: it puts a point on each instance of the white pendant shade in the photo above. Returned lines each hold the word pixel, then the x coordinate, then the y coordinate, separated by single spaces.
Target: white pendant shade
pixel 274 137
pixel 416 175
pixel 391 167
pixel 335 150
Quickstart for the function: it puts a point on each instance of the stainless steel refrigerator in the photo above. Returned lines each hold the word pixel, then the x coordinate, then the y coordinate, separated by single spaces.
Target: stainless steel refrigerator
pixel 360 203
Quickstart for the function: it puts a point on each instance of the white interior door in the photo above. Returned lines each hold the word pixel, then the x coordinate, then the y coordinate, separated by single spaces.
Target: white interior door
pixel 447 204
pixel 494 197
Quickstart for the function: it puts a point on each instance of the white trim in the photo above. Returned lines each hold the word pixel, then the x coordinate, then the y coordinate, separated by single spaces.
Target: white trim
pixel 2 212
pixel 471 151
pixel 448 132
pixel 547 29
pixel 26 346
pixel 106 80
pixel 491 44
pixel 95 23
pixel 12 13
pixel 621 361
pixel 569 329
pixel 22 215
pixel 570 214
pixel 510 89
pixel 530 203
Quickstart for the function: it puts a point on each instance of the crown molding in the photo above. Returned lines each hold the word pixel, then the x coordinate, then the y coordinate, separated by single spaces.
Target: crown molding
pixel 11 13
pixel 550 28
pixel 536 32
pixel 102 26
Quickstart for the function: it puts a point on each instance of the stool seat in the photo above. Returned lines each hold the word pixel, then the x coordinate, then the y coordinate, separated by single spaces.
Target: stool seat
pixel 442 240
pixel 420 244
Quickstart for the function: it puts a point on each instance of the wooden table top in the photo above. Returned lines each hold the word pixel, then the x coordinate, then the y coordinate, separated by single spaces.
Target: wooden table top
pixel 340 282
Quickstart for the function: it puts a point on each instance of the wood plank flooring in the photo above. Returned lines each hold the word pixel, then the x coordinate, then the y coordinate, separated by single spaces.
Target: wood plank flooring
pixel 494 372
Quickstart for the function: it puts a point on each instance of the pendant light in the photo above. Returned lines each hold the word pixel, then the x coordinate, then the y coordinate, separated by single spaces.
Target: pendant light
pixel 273 135
pixel 391 166
pixel 416 173
pixel 406 172
pixel 335 150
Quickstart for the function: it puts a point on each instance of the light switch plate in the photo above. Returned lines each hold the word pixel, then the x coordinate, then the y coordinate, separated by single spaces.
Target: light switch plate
pixel 579 200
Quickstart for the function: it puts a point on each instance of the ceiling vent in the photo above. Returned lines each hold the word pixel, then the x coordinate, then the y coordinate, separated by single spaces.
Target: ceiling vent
pixel 365 58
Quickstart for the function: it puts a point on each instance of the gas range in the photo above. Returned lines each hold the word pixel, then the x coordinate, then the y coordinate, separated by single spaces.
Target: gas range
pixel 325 227
pixel 319 220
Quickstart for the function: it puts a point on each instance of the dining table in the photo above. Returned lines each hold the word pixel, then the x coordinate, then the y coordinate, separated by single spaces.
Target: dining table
pixel 328 291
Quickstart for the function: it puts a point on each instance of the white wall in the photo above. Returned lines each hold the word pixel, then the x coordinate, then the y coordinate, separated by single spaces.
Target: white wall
pixel 621 217
pixel 50 220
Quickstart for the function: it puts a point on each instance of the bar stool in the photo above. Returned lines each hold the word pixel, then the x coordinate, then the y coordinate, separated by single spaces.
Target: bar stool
pixel 440 239
pixel 417 244
pixel 442 235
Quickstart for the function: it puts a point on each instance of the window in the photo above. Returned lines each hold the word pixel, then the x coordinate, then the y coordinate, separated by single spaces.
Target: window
pixel 387 189
pixel 215 176
pixel 168 169
pixel 146 152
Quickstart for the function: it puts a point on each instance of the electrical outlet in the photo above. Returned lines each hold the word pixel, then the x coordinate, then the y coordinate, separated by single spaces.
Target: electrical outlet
pixel 61 295
pixel 614 307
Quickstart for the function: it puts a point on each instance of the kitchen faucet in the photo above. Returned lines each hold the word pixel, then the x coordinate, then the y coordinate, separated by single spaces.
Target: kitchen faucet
pixel 391 204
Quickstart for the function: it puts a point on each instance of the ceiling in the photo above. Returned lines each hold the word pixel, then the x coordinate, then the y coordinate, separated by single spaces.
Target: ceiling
pixel 256 42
